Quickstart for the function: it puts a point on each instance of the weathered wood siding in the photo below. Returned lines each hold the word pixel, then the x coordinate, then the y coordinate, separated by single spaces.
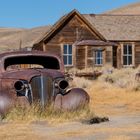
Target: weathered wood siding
pixel 86 58
pixel 109 55
pixel 73 30
pixel 54 49
pixel 137 54
pixel 68 32
pixel 39 47
pixel 90 57
pixel 80 57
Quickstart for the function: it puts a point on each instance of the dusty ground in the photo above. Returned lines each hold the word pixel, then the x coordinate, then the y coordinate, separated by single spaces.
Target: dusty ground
pixel 120 127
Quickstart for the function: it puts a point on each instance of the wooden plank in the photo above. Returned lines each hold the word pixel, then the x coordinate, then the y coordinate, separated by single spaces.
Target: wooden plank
pixel 86 56
pixel 133 54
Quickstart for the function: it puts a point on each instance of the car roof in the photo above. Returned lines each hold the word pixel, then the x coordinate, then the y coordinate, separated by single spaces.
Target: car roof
pixel 26 53
pixel 22 53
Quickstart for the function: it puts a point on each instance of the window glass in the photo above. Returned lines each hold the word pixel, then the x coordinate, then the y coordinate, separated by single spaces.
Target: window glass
pixel 67 54
pixel 124 60
pixel 70 60
pixel 98 57
pixel 70 49
pixel 98 61
pixel 65 60
pixel 129 49
pixel 129 60
pixel 65 49
pixel 98 53
pixel 127 54
pixel 125 49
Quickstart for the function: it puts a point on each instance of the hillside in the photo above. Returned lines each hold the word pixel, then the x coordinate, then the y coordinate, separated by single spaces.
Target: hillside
pixel 10 38
pixel 131 9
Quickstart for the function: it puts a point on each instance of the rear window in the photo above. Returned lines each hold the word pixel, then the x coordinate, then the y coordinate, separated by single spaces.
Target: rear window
pixel 31 62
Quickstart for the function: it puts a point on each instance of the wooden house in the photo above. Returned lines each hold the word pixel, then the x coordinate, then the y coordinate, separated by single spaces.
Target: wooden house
pixel 88 40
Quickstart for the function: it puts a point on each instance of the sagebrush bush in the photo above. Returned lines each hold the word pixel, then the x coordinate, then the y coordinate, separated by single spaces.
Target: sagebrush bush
pixel 123 78
pixel 81 82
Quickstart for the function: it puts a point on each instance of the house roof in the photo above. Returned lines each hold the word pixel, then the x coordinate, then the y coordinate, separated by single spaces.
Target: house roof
pixel 94 43
pixel 112 26
pixel 116 27
pixel 62 21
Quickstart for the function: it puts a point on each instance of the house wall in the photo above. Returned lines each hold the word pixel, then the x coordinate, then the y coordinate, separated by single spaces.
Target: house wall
pixel 137 54
pixel 73 30
pixel 88 55
pixel 80 57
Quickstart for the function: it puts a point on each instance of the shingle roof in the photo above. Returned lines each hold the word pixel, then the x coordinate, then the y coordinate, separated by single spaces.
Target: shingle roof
pixel 116 27
pixel 94 43
pixel 62 20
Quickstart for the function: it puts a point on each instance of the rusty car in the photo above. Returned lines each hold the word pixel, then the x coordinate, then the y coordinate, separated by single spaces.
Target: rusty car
pixel 27 77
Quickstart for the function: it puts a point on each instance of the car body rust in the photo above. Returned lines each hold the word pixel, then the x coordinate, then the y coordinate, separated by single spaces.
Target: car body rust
pixel 27 77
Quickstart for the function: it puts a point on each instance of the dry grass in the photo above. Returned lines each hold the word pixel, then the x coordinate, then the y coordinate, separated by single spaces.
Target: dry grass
pixel 10 37
pixel 90 69
pixel 113 92
pixel 131 9
pixel 48 114
pixel 107 99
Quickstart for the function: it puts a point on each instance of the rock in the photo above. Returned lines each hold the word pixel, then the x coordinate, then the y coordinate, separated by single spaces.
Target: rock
pixel 96 120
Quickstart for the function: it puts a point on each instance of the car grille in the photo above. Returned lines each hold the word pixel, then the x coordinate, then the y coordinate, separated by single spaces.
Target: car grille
pixel 42 89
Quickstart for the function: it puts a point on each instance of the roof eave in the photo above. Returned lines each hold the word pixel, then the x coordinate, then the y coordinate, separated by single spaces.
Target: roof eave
pixel 62 20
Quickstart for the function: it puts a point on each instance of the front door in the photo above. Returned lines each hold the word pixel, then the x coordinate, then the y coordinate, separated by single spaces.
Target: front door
pixel 114 56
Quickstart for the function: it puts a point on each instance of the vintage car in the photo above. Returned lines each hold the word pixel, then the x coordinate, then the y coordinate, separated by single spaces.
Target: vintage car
pixel 27 77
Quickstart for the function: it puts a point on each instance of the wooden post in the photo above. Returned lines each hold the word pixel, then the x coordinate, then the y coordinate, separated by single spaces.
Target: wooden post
pixel 121 54
pixel 20 44
pixel 61 51
pixel 133 54
pixel 104 57
pixel 86 51
pixel 74 55
pixel 117 55
pixel 44 47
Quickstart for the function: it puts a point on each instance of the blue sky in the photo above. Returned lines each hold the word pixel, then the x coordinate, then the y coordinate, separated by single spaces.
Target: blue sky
pixel 33 13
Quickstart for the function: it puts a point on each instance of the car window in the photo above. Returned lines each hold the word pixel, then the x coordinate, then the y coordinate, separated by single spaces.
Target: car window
pixel 22 62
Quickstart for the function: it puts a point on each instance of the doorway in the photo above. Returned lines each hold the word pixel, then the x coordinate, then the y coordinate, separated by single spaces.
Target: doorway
pixel 114 56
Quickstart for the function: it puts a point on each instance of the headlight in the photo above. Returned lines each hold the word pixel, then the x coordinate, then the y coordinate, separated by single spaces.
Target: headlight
pixel 20 85
pixel 62 84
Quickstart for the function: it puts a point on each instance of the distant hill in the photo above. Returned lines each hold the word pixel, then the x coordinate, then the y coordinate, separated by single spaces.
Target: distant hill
pixel 131 9
pixel 10 38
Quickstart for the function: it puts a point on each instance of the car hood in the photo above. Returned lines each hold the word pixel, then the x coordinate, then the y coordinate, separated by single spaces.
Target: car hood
pixel 27 74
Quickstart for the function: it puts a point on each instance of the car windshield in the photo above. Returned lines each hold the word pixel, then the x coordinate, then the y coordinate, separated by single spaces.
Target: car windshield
pixel 17 62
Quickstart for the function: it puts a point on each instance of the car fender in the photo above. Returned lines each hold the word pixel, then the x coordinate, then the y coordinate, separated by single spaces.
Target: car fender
pixel 73 99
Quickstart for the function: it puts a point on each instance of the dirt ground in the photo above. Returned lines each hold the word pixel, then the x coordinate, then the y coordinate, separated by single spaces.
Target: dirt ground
pixel 120 127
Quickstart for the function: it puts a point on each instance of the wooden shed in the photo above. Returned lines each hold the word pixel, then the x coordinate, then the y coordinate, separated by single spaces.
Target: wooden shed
pixel 88 40
pixel 77 42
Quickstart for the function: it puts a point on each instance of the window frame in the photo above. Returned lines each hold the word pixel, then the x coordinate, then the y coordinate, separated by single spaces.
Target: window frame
pixel 68 54
pixel 127 55
pixel 100 58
